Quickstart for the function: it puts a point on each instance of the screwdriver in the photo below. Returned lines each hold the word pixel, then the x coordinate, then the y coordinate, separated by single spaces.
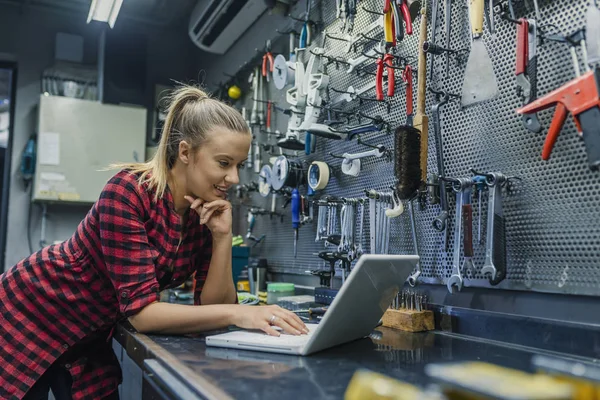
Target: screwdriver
pixel 295 217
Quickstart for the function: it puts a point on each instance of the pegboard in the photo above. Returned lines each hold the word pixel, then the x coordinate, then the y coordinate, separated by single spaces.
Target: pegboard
pixel 552 212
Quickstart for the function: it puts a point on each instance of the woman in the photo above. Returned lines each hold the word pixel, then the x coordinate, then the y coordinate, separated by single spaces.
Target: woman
pixel 60 305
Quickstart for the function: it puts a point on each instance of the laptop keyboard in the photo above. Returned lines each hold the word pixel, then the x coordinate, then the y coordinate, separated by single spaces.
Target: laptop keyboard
pixel 260 338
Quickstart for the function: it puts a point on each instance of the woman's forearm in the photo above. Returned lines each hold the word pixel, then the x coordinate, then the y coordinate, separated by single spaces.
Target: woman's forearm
pixel 218 287
pixel 177 319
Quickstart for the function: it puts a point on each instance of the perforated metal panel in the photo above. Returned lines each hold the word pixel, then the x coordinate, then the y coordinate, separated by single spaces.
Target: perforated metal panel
pixel 552 212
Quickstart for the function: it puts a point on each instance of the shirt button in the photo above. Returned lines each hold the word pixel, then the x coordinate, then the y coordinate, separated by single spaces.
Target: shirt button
pixel 68 366
pixel 65 346
pixel 124 294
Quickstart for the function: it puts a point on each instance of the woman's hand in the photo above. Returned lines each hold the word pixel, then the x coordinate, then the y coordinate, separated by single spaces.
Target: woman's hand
pixel 216 215
pixel 265 317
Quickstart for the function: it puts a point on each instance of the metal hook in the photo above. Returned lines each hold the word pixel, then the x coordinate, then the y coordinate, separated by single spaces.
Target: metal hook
pixel 362 71
pixel 379 147
pixel 372 11
pixel 335 155
pixel 369 38
pixel 330 36
pixel 368 56
pixel 287 32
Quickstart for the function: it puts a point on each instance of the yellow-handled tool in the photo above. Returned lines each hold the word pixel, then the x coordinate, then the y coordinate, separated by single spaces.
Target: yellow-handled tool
pixel 421 121
pixel 480 82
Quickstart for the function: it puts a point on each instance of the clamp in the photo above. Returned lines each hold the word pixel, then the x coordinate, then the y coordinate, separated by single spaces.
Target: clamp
pixel 580 97
pixel 267 57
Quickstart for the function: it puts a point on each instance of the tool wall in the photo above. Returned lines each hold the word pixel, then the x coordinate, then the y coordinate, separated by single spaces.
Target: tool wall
pixel 551 208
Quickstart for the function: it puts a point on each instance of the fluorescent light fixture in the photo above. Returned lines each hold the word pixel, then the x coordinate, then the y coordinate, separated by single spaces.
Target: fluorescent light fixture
pixel 105 11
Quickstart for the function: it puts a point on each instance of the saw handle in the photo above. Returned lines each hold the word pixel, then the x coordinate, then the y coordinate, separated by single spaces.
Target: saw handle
pixel 560 115
pixel 476 16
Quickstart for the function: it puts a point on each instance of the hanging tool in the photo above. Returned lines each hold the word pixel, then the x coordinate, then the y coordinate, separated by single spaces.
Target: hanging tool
pixel 495 247
pixel 448 17
pixel 356 62
pixel 255 90
pixel 401 18
pixel 526 70
pixel 434 18
pixel 267 62
pixel 351 163
pixel 462 187
pixel 439 223
pixel 580 97
pixel 413 279
pixel 467 220
pixel 387 59
pixel 351 93
pixel 592 28
pixel 480 82
pixel 479 185
pixel 489 16
pixel 536 7
pixel 407 78
pixel 421 120
pixel 295 217
pixel 305 33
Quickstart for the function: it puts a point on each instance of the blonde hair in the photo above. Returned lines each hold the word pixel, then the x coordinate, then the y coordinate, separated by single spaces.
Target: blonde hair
pixel 192 113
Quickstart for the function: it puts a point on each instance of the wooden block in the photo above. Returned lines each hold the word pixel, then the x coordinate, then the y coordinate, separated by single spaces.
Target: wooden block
pixel 409 320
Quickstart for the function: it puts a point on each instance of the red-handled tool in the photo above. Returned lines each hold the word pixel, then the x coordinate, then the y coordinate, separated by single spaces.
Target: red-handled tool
pixel 269 111
pixel 526 70
pixel 387 61
pixel 267 58
pixel 580 97
pixel 407 78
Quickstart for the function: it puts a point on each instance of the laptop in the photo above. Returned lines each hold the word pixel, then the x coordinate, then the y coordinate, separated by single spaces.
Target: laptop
pixel 355 311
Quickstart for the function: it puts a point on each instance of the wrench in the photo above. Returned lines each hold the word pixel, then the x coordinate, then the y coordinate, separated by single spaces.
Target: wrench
pixel 467 219
pixel 462 187
pixel 439 223
pixel 355 62
pixel 353 93
pixel 412 280
pixel 495 248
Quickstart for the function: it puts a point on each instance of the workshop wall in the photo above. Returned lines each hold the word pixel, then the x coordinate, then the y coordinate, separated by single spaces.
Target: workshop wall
pixel 552 220
pixel 27 35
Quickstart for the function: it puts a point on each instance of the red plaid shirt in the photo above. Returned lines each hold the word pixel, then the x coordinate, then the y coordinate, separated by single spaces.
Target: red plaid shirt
pixel 61 303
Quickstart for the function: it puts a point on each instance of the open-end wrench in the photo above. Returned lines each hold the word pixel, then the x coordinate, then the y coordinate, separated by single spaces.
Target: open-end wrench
pixel 352 93
pixel 495 248
pixel 412 280
pixel 467 219
pixel 356 62
pixel 462 187
pixel 448 17
pixel 439 223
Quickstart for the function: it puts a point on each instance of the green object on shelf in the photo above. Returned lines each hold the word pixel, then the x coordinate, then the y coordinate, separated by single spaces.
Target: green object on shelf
pixel 277 290
pixel 237 240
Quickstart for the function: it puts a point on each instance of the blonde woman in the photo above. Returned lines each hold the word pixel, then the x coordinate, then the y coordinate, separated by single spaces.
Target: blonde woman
pixel 59 306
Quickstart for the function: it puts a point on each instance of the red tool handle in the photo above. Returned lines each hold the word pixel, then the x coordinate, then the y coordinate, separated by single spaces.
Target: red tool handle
pixel 467 211
pixel 264 65
pixel 386 6
pixel 406 16
pixel 269 106
pixel 270 58
pixel 407 76
pixel 560 115
pixel 379 80
pixel 388 60
pixel 394 31
pixel 522 46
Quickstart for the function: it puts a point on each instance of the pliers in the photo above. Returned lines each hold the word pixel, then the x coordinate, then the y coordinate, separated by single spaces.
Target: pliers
pixel 387 59
pixel 267 57
pixel 401 16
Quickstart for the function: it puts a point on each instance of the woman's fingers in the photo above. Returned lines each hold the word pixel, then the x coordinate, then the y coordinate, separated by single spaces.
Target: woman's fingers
pixel 283 324
pixel 194 203
pixel 269 330
pixel 292 320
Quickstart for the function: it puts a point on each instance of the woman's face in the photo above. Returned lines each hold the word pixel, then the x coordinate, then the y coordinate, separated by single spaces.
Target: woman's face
pixel 213 168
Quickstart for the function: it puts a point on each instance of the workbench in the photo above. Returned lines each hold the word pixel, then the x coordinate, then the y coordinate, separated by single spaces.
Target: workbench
pixel 183 367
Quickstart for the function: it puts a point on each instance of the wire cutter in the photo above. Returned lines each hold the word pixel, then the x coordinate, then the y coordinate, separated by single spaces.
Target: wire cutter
pixel 267 57
pixel 386 60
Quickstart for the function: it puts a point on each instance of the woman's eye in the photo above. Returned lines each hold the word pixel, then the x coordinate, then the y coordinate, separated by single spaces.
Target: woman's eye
pixel 223 163
pixel 240 166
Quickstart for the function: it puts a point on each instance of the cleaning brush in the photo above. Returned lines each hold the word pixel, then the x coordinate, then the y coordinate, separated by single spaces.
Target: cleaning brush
pixel 407 161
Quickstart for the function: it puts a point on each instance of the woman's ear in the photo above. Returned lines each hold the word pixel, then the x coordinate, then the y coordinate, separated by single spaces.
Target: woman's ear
pixel 185 152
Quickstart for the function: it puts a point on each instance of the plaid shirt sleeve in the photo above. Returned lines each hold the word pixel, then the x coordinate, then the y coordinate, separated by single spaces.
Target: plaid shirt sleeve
pixel 202 265
pixel 124 242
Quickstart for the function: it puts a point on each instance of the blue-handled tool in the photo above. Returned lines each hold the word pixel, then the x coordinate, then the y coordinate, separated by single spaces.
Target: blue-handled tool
pixel 307 143
pixel 295 217
pixel 305 34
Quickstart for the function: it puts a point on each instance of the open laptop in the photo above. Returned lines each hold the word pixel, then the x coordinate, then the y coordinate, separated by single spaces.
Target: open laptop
pixel 355 311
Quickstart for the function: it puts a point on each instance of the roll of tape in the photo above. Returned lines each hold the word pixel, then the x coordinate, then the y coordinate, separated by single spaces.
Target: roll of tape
pixel 318 175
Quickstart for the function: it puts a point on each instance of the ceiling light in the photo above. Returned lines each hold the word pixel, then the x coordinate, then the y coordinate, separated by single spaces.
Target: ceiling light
pixel 105 11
